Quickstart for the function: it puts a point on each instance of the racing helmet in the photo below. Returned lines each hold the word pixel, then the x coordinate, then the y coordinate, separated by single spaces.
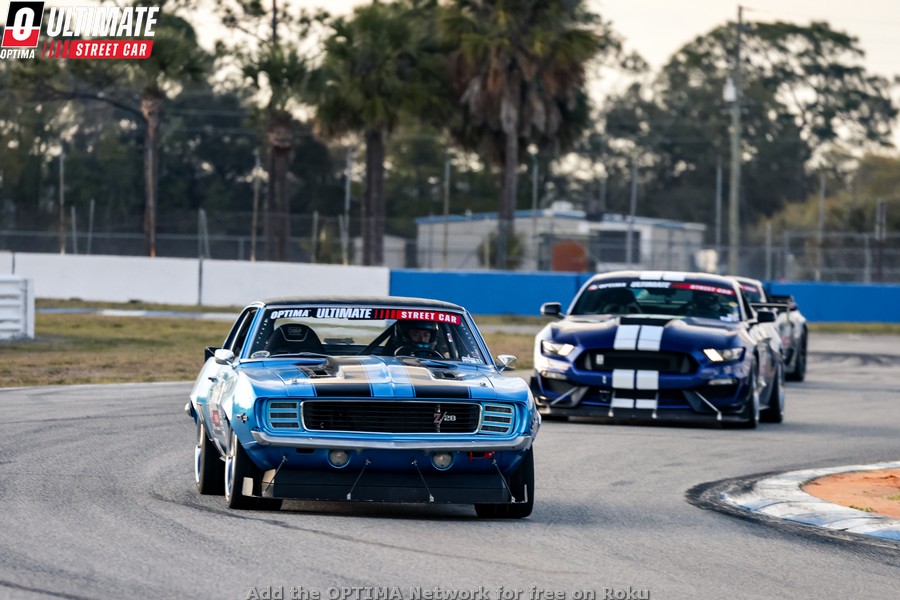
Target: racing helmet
pixel 416 334
pixel 616 300
pixel 706 304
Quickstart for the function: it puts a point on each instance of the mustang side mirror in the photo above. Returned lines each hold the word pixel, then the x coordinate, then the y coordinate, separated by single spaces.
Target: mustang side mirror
pixel 552 309
pixel 223 356
pixel 507 362
pixel 766 316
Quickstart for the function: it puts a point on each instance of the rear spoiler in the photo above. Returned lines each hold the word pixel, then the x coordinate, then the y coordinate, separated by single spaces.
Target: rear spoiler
pixel 776 306
pixel 789 300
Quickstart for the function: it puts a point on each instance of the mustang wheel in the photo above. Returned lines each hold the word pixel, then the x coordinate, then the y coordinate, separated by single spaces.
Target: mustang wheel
pixel 521 483
pixel 209 470
pixel 799 372
pixel 751 402
pixel 238 466
pixel 774 413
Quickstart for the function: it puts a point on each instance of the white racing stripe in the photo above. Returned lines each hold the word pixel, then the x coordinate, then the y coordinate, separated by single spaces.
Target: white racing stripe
pixel 623 379
pixel 650 338
pixel 627 337
pixel 647 380
pixel 646 404
pixel 638 337
pixel 622 402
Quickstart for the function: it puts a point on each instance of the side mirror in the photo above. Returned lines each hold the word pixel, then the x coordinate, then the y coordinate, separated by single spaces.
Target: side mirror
pixel 766 316
pixel 223 356
pixel 552 309
pixel 507 362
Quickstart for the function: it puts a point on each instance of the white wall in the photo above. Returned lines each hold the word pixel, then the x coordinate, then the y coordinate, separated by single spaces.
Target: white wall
pixel 178 281
pixel 235 283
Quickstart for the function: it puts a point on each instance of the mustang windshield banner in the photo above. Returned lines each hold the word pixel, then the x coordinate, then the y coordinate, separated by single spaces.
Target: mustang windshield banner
pixel 77 32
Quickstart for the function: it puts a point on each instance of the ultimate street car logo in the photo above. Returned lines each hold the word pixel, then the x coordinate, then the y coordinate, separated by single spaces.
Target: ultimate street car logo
pixel 112 31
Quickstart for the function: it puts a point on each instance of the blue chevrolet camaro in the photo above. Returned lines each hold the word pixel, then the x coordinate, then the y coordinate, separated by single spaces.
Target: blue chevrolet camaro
pixel 660 345
pixel 362 399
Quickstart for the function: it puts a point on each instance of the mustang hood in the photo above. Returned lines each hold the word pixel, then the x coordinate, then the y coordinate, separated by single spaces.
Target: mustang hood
pixel 644 332
pixel 368 377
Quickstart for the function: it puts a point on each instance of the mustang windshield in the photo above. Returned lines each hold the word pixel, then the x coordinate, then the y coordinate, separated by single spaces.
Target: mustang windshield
pixel 676 298
pixel 365 330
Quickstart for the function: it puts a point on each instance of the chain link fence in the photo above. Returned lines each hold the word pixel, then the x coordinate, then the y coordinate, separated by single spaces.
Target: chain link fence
pixel 787 255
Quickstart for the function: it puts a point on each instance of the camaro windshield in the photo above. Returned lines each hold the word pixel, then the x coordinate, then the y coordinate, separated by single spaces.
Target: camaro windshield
pixel 365 330
pixel 677 298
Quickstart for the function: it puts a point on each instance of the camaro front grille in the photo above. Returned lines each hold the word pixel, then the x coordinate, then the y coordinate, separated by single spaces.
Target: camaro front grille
pixel 497 418
pixel 391 417
pixel 664 362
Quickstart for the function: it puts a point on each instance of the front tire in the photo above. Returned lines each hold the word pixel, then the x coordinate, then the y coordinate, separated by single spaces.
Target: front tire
pixel 774 413
pixel 799 372
pixel 209 470
pixel 521 484
pixel 238 466
pixel 751 403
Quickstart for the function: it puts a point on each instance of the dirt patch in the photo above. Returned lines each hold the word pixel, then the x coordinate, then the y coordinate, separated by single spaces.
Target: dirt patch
pixel 869 491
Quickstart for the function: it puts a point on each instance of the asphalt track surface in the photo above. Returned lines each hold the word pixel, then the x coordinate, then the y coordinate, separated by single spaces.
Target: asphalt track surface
pixel 97 501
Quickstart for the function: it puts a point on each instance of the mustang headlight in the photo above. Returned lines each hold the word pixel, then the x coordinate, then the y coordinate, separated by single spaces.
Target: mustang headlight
pixel 718 355
pixel 556 349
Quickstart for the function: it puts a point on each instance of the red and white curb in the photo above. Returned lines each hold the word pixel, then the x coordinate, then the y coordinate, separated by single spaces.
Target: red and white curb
pixel 781 497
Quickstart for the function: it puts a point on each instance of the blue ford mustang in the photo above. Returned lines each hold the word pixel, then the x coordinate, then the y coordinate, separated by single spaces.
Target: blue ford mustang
pixel 370 399
pixel 660 345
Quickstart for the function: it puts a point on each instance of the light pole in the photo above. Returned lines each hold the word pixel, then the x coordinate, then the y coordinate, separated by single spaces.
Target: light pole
pixel 254 224
pixel 62 200
pixel 733 95
pixel 533 151
pixel 629 234
pixel 446 193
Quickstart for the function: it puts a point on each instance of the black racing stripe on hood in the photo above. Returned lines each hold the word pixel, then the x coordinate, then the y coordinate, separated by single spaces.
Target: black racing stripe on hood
pixel 336 390
pixel 441 391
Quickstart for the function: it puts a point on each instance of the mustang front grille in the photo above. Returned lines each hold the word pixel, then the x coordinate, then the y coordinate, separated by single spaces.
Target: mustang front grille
pixel 664 362
pixel 391 417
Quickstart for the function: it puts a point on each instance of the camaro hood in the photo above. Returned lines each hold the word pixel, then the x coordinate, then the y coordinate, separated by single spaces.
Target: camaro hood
pixel 644 332
pixel 368 377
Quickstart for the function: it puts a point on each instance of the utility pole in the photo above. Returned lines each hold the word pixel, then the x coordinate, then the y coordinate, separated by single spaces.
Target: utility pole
pixel 630 233
pixel 62 200
pixel 820 230
pixel 345 229
pixel 254 225
pixel 446 205
pixel 719 215
pixel 734 192
pixel 532 149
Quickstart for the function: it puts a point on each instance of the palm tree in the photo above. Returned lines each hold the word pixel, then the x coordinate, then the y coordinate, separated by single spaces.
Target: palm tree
pixel 176 58
pixel 286 73
pixel 379 66
pixel 518 69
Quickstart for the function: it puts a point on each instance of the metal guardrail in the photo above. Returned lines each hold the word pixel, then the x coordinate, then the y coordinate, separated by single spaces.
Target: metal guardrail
pixel 16 307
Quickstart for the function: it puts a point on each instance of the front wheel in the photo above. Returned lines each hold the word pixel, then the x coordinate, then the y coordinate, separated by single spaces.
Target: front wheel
pixel 751 402
pixel 209 470
pixel 799 372
pixel 237 467
pixel 774 412
pixel 521 484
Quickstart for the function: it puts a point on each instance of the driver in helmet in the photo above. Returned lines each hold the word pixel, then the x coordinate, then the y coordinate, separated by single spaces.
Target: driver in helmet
pixel 416 335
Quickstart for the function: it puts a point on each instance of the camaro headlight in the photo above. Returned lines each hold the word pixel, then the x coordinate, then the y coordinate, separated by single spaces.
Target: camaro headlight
pixel 724 354
pixel 556 349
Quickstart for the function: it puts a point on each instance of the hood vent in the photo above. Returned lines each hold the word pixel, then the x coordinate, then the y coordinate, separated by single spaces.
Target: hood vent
pixel 652 321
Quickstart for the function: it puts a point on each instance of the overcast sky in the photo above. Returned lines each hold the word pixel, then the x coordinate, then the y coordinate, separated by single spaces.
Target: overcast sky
pixel 657 28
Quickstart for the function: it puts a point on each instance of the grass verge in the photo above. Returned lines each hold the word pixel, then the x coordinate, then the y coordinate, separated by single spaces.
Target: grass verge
pixel 88 348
